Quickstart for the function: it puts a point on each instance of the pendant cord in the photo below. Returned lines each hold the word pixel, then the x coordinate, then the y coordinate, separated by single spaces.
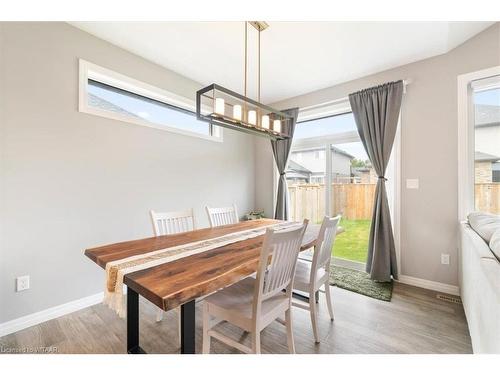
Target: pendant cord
pixel 258 85
pixel 259 29
pixel 246 56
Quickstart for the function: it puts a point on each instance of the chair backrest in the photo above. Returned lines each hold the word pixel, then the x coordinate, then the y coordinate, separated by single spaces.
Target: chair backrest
pixel 172 222
pixel 222 215
pixel 277 275
pixel 323 250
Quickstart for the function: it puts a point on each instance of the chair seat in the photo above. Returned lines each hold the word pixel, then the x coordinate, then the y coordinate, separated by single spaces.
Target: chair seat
pixel 303 276
pixel 234 304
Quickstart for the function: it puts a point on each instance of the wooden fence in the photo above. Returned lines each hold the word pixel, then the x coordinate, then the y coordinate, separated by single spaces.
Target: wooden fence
pixel 487 197
pixel 353 201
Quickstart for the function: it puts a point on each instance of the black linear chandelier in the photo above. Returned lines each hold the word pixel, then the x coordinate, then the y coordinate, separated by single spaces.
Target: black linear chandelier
pixel 220 106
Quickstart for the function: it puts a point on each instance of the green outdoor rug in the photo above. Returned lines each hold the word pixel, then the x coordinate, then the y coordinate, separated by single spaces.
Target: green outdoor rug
pixel 360 282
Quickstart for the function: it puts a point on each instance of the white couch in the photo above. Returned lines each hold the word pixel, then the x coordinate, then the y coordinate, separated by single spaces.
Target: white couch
pixel 479 279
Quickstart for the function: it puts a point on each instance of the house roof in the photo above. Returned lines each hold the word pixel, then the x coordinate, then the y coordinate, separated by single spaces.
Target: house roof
pixel 487 115
pixel 295 170
pixel 335 149
pixel 483 156
pixel 296 167
pixel 342 152
pixel 95 101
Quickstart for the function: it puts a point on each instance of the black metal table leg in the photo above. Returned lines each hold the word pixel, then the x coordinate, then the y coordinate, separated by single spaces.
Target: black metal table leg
pixel 188 324
pixel 133 322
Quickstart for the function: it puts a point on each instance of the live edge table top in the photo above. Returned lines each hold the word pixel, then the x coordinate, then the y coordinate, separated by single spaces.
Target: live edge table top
pixel 172 284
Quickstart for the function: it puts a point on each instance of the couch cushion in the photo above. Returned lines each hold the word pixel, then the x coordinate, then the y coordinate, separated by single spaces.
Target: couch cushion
pixel 484 224
pixel 495 243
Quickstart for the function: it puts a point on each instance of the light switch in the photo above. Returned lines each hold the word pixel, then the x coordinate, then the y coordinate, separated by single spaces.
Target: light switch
pixel 445 259
pixel 412 183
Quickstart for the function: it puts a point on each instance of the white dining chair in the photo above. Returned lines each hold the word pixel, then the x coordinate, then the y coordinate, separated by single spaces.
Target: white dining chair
pixel 172 222
pixel 253 304
pixel 218 216
pixel 311 275
pixel 165 223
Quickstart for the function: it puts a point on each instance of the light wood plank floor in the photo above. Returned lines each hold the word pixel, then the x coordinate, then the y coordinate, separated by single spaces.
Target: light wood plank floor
pixel 414 322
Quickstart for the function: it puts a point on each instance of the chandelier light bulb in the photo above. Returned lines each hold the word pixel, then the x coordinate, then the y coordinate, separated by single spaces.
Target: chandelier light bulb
pixel 277 126
pixel 265 122
pixel 237 112
pixel 252 117
pixel 219 106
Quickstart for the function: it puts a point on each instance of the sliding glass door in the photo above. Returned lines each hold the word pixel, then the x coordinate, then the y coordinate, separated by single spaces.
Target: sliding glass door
pixel 329 174
pixel 352 197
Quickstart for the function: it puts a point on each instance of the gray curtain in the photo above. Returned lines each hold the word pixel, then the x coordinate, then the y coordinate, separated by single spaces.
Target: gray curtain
pixel 376 111
pixel 281 151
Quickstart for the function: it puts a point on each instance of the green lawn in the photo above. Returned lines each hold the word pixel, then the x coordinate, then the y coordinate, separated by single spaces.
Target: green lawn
pixel 353 243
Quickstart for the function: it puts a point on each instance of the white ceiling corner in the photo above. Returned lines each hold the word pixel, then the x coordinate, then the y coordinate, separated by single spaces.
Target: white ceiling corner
pixel 297 57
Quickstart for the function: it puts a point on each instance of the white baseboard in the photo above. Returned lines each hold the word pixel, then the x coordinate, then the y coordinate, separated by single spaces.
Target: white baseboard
pixel 48 314
pixel 428 284
pixel 67 308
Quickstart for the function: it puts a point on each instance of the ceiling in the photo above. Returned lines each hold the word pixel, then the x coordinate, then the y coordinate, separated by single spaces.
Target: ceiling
pixel 297 57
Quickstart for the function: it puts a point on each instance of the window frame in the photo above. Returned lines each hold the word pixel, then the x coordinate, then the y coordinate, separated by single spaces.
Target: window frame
pixel 88 70
pixel 340 107
pixel 466 146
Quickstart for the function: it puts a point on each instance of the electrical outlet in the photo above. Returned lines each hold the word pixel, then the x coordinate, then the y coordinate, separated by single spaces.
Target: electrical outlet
pixel 22 283
pixel 445 258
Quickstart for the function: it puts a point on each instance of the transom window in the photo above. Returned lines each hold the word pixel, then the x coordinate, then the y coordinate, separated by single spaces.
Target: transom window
pixel 112 95
pixel 326 126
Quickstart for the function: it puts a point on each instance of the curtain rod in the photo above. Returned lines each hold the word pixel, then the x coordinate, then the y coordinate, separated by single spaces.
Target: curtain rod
pixel 406 82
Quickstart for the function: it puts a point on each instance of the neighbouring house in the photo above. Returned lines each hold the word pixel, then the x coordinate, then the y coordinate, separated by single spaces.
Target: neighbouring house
pixel 487 139
pixel 97 102
pixel 484 165
pixel 313 159
pixel 297 173
pixel 495 171
pixel 364 175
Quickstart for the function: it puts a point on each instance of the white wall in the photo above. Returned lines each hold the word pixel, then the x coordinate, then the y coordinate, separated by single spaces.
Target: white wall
pixel 71 181
pixel 429 151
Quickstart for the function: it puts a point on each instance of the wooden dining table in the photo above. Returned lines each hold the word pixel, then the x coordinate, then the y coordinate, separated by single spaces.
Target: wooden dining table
pixel 182 281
